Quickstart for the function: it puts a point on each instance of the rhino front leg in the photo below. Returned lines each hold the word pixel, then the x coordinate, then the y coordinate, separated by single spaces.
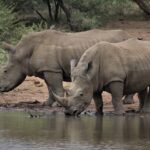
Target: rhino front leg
pixel 116 90
pixel 128 99
pixel 98 103
pixel 54 82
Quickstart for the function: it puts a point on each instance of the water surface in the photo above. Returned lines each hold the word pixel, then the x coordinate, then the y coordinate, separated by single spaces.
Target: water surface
pixel 57 132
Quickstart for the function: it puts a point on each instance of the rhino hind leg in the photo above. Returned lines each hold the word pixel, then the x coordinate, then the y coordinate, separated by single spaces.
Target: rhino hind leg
pixel 128 99
pixel 116 90
pixel 144 97
pixel 98 103
pixel 54 82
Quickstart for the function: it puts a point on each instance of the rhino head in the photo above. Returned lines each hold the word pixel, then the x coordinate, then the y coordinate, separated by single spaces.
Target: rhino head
pixel 80 93
pixel 11 75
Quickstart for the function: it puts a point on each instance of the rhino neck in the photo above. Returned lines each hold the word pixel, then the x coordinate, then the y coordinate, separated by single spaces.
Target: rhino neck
pixel 96 74
pixel 92 56
pixel 25 67
pixel 97 77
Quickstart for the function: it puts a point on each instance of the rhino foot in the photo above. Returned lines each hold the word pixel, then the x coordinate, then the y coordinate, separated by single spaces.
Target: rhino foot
pixel 128 100
pixel 145 110
pixel 55 104
pixel 47 103
pixel 99 113
pixel 119 113
pixel 146 107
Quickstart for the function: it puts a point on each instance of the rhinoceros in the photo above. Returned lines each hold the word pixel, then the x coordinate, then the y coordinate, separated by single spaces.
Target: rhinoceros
pixel 119 68
pixel 47 55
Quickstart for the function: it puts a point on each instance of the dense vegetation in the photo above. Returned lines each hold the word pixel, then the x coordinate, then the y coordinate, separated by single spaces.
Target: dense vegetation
pixel 21 16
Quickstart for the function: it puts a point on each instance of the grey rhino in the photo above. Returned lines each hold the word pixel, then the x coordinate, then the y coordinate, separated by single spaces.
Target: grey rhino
pixel 119 68
pixel 47 55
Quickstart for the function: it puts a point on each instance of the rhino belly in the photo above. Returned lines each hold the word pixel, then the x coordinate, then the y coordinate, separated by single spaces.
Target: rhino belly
pixel 137 81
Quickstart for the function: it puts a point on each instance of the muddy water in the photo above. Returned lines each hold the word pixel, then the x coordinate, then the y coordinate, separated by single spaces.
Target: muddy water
pixel 19 132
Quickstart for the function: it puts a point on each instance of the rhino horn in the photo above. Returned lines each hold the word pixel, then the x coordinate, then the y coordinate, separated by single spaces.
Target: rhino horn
pixel 73 63
pixel 8 47
pixel 61 100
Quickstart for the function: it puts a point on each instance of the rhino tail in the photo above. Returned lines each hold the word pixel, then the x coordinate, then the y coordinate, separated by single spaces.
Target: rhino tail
pixel 8 47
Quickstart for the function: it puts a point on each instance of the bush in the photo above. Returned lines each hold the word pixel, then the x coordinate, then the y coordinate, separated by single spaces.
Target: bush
pixel 10 32
pixel 89 14
pixel 5 22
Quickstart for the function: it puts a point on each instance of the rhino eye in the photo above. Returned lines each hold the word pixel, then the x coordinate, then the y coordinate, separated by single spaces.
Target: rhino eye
pixel 81 94
pixel 5 71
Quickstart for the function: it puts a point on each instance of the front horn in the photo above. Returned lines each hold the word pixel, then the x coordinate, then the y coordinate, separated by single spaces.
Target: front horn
pixel 61 100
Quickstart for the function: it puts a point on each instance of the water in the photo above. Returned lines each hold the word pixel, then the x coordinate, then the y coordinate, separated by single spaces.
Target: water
pixel 19 132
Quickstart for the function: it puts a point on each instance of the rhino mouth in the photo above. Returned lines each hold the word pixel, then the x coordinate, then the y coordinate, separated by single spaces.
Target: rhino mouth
pixel 75 111
pixel 5 89
pixel 72 113
pixel 8 86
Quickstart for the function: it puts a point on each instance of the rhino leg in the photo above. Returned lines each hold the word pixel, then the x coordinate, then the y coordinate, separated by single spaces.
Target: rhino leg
pixel 54 82
pixel 144 97
pixel 98 103
pixel 128 99
pixel 116 90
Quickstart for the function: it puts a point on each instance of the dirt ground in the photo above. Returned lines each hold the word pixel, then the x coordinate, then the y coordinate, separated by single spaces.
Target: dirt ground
pixel 34 90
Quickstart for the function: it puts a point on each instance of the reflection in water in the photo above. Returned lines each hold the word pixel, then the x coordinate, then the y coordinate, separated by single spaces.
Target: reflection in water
pixel 18 132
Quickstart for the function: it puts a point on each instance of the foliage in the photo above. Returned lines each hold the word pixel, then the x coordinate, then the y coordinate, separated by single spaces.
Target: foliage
pixel 5 21
pixel 19 17
pixel 12 32
pixel 91 14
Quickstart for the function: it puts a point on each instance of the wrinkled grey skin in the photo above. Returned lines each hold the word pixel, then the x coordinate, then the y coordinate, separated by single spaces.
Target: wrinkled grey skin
pixel 47 55
pixel 10 77
pixel 119 68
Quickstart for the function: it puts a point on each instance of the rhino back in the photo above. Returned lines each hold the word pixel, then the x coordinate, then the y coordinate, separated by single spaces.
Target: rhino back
pixel 137 64
pixel 51 37
pixel 80 42
pixel 127 62
pixel 58 48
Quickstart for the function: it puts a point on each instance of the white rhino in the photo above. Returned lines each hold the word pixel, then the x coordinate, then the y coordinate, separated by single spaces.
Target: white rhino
pixel 47 55
pixel 119 68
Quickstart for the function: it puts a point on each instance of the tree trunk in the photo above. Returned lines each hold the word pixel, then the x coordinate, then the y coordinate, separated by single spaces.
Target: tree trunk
pixel 143 6
pixel 49 11
pixel 56 10
pixel 67 13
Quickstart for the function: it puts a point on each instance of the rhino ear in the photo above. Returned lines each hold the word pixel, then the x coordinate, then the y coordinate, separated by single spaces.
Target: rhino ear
pixel 88 67
pixel 73 64
pixel 8 47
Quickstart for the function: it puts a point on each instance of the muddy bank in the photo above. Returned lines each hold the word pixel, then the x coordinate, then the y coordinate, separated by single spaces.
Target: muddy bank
pixel 36 108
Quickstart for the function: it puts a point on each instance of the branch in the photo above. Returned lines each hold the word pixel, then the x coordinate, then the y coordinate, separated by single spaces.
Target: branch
pixel 26 19
pixel 56 10
pixel 49 9
pixel 40 15
pixel 143 6
pixel 67 13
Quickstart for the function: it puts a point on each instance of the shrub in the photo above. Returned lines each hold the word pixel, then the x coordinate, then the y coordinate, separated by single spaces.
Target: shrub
pixel 89 14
